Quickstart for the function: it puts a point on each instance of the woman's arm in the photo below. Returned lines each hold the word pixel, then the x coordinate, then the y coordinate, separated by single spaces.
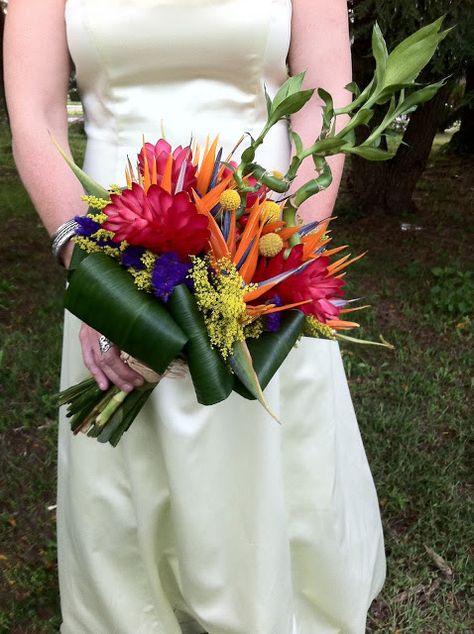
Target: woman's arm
pixel 320 45
pixel 37 68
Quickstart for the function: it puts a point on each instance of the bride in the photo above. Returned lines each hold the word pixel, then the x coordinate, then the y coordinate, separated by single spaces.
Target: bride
pixel 203 519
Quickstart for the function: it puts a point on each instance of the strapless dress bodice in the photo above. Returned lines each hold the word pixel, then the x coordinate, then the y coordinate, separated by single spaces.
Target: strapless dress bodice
pixel 185 67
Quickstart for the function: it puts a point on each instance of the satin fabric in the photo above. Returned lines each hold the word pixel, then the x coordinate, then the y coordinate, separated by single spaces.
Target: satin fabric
pixel 208 519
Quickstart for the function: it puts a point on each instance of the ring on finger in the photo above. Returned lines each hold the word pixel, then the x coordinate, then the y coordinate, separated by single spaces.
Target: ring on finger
pixel 104 344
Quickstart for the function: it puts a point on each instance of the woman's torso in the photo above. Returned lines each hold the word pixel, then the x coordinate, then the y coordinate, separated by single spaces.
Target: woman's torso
pixel 188 67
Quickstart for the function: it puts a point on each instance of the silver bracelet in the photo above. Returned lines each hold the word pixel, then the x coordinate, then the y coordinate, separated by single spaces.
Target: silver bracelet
pixel 61 236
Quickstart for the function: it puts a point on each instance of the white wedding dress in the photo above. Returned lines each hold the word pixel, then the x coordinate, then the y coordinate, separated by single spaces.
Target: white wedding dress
pixel 208 519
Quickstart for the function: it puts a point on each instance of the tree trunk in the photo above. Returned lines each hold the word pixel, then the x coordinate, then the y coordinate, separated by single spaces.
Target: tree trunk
pixel 389 186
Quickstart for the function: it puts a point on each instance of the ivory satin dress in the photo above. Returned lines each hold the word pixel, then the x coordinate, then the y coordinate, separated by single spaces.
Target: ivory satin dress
pixel 208 519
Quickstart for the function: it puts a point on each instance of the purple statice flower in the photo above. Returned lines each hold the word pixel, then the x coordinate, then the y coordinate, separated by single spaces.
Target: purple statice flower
pixel 86 226
pixel 273 321
pixel 131 258
pixel 168 273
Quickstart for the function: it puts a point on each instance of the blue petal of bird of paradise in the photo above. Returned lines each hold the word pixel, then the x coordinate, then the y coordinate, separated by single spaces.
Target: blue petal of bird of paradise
pixel 241 364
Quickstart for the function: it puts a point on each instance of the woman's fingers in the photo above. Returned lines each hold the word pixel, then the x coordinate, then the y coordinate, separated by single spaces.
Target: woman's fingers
pixel 116 370
pixel 104 364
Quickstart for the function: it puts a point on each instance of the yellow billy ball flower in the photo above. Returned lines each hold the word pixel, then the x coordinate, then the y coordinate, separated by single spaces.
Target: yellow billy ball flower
pixel 270 245
pixel 229 200
pixel 271 212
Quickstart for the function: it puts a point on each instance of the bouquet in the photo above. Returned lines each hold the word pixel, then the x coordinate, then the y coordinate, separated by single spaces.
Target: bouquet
pixel 201 261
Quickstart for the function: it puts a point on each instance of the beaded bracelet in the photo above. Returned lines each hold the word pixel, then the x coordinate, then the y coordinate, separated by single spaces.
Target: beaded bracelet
pixel 61 236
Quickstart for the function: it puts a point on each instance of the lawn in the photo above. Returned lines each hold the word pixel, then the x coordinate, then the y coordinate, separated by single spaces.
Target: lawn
pixel 413 403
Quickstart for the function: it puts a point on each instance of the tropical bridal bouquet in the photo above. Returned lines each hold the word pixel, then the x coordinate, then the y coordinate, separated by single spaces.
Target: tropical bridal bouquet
pixel 201 260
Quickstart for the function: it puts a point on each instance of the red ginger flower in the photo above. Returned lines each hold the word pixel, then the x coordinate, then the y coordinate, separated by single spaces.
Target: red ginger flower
pixel 158 221
pixel 161 152
pixel 311 283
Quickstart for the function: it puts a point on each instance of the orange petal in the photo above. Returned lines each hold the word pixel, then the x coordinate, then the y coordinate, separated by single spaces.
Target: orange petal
pixel 207 167
pixel 273 226
pixel 332 270
pixel 288 232
pixel 353 310
pixel 250 231
pixel 267 309
pixel 338 324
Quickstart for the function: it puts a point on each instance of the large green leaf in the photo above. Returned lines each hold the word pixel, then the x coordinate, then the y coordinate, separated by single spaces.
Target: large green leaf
pixel 102 294
pixel 270 350
pixel 408 59
pixel 211 378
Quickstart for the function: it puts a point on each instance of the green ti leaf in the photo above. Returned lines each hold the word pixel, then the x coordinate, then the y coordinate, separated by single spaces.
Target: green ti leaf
pixel 102 294
pixel 211 379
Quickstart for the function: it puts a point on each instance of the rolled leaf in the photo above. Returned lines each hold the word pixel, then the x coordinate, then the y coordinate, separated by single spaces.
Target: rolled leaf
pixel 211 378
pixel 102 294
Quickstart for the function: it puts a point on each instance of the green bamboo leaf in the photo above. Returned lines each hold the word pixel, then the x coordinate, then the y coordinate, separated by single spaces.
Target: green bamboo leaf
pixel 291 86
pixel 211 379
pixel 369 153
pixel 289 106
pixel 241 363
pixel 90 186
pixel 408 59
pixel 297 141
pixel 102 294
pixel 270 350
pixel 380 53
pixel 353 88
pixel 328 109
pixel 326 146
pixel 419 96
pixel 268 101
pixel 361 117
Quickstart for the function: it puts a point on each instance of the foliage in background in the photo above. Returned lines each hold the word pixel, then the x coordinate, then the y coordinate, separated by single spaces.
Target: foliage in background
pixel 389 187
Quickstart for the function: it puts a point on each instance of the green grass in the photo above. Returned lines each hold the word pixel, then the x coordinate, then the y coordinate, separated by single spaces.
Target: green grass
pixel 413 403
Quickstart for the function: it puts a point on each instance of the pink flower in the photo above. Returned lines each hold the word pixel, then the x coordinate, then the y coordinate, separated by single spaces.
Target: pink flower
pixel 158 221
pixel 161 152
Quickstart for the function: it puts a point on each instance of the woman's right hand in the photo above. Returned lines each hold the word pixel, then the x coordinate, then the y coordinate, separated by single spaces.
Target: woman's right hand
pixel 106 367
